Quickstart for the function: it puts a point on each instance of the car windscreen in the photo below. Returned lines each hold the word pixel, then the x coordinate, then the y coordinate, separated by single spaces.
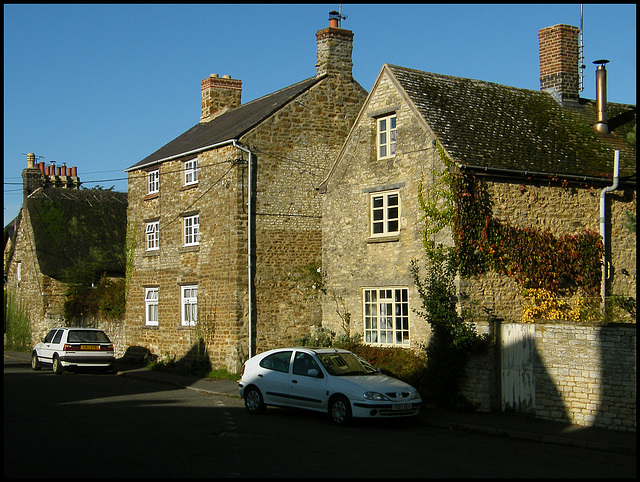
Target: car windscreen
pixel 345 364
pixel 87 336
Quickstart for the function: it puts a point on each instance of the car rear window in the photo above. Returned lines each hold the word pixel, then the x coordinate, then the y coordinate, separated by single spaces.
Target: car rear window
pixel 84 336
pixel 277 361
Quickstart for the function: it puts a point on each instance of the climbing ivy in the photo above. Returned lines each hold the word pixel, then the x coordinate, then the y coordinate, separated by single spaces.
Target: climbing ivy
pixel 535 259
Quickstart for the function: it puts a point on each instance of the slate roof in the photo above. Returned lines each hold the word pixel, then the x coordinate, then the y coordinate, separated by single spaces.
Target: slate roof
pixel 488 125
pixel 78 227
pixel 230 125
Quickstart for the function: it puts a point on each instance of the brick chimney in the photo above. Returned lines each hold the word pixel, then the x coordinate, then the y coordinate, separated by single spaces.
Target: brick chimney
pixel 559 61
pixel 335 46
pixel 219 94
pixel 39 175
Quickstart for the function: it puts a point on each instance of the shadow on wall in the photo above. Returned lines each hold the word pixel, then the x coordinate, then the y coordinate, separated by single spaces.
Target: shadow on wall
pixel 526 385
pixel 583 375
pixel 548 401
pixel 618 352
pixel 195 361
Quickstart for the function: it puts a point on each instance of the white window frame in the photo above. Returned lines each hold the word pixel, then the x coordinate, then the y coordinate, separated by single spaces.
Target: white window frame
pixel 385 314
pixel 189 305
pixel 384 213
pixel 153 181
pixel 387 136
pixel 191 172
pixel 191 230
pixel 152 236
pixel 151 296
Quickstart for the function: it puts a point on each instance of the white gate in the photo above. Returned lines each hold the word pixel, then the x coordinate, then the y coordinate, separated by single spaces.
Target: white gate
pixel 517 348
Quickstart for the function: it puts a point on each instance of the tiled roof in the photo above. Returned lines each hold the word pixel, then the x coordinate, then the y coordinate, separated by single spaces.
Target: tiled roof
pixel 230 125
pixel 505 128
pixel 78 228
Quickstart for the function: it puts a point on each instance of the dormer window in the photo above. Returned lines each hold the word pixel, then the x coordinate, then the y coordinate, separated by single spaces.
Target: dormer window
pixel 387 136
pixel 191 172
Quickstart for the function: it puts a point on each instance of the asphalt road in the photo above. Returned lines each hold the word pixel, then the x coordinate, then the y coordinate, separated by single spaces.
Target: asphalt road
pixel 96 425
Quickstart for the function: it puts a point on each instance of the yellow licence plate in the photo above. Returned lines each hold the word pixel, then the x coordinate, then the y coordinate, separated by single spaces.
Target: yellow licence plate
pixel 89 347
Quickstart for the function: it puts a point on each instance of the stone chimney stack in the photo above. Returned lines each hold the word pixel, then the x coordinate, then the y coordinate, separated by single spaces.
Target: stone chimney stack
pixel 31 176
pixel 219 94
pixel 559 61
pixel 39 175
pixel 335 46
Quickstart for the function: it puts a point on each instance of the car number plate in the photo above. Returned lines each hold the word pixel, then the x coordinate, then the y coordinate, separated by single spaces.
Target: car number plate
pixel 402 406
pixel 89 347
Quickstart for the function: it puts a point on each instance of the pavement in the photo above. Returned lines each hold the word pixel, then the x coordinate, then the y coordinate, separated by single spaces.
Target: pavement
pixel 512 425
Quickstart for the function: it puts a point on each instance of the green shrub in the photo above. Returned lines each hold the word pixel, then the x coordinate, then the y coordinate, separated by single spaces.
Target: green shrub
pixel 17 324
pixel 453 338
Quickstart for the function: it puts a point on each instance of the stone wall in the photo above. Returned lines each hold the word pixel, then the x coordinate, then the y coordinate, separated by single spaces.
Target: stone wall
pixel 291 151
pixel 584 374
pixel 561 210
pixel 41 297
pixel 352 259
pixel 216 265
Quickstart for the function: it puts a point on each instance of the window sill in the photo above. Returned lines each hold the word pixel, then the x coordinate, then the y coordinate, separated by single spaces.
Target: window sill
pixel 151 254
pixel 189 186
pixel 188 249
pixel 383 239
pixel 154 195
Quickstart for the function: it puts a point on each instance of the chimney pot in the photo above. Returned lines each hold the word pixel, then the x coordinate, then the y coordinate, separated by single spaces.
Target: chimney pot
pixel 334 49
pixel 31 160
pixel 334 19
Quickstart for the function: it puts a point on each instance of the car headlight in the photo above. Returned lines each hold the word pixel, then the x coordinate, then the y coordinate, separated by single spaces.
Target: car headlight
pixel 415 395
pixel 375 396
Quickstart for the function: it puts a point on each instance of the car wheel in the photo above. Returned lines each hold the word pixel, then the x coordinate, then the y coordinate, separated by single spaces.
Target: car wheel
pixel 340 410
pixel 35 363
pixel 57 365
pixel 253 401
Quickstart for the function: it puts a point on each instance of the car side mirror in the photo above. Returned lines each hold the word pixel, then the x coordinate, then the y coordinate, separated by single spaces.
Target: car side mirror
pixel 312 372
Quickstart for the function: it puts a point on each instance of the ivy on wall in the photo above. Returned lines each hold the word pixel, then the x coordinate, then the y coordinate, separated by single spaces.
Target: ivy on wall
pixel 537 260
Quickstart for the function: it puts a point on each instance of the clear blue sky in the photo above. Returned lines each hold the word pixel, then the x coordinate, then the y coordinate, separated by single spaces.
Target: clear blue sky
pixel 101 87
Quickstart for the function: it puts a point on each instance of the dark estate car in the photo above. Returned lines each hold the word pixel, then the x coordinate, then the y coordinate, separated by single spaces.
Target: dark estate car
pixel 73 347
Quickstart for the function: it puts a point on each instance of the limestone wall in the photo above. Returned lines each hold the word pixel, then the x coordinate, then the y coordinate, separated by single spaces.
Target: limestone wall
pixel 291 152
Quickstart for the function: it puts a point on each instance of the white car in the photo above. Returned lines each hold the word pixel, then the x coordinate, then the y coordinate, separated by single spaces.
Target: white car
pixel 326 380
pixel 73 347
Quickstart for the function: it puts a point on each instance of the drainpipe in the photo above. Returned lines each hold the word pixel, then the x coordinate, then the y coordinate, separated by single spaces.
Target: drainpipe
pixel 249 247
pixel 606 264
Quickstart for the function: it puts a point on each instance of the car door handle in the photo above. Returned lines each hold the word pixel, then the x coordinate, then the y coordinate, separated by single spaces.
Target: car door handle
pixel 294 381
pixel 259 375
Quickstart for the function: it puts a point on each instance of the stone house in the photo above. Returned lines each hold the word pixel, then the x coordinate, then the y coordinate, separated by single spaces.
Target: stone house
pixel 541 159
pixel 61 229
pixel 220 217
